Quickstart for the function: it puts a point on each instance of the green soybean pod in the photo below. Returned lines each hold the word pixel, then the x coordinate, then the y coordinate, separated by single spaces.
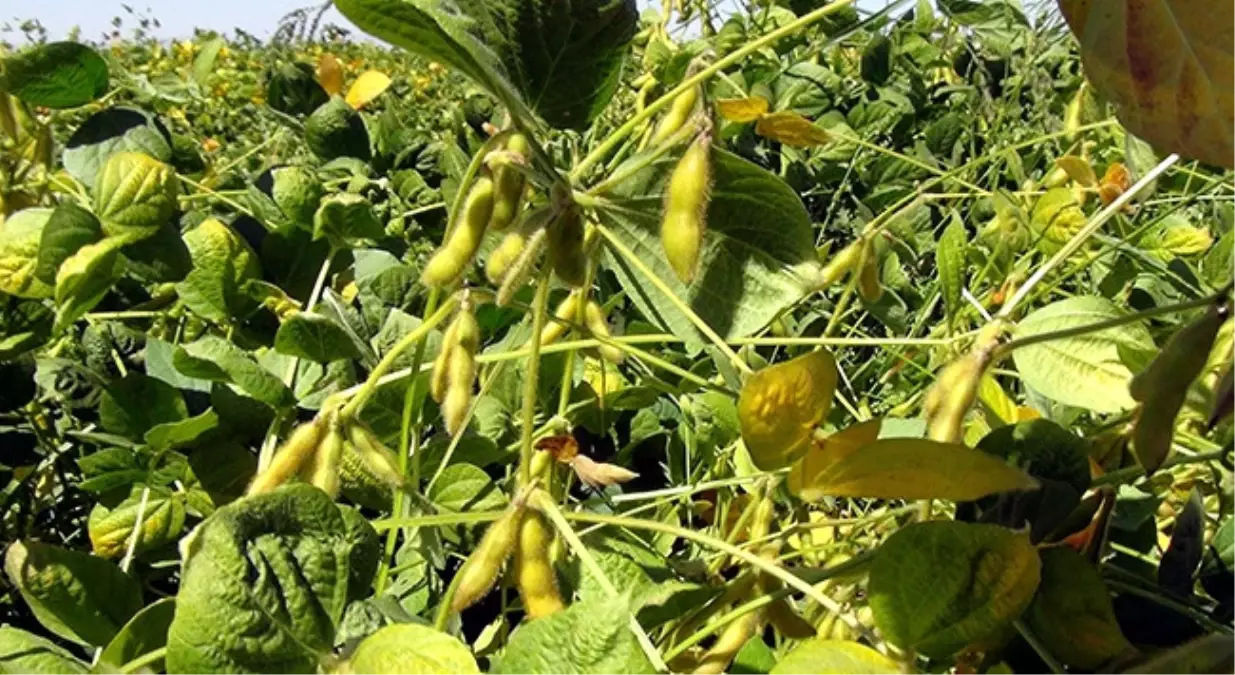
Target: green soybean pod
pixel 679 111
pixel 1163 386
pixel 508 186
pixel 450 261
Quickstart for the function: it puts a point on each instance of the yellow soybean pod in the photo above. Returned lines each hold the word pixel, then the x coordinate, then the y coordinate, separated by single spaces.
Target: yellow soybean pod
pixel 290 458
pixel 534 575
pixel 598 325
pixel 686 205
pixel 478 573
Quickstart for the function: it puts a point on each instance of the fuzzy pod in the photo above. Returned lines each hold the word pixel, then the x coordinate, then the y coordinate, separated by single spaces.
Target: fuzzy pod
pixel 567 312
pixel 686 206
pixel 461 375
pixel 840 265
pixel 323 471
pixel 566 250
pixel 679 112
pixel 728 643
pixel 869 286
pixel 533 569
pixel 520 270
pixel 950 398
pixel 450 261
pixel 377 457
pixel 598 325
pixel 438 378
pixel 508 186
pixel 1162 386
pixel 480 571
pixel 783 617
pixel 291 457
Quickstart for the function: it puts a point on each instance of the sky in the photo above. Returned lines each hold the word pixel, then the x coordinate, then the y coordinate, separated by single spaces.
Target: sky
pixel 178 17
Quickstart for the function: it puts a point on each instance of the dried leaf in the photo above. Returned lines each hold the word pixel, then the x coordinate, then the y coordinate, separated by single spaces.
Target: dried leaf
pixel 742 109
pixel 330 74
pixel 791 128
pixel 599 474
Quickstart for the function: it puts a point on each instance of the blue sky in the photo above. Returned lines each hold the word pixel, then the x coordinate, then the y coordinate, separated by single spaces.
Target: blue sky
pixel 178 17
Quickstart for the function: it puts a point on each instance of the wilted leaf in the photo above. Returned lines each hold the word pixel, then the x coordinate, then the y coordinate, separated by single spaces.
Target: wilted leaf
pixel 938 586
pixel 1168 68
pixel 367 87
pixel 746 109
pixel 599 474
pixel 803 479
pixel 330 74
pixel 791 128
pixel 1078 169
pixel 780 406
pixel 918 468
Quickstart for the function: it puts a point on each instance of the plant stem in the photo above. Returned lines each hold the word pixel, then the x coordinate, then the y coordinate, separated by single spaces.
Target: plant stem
pixel 1131 473
pixel 1084 233
pixel 532 377
pixel 615 138
pixel 677 302
pixel 545 504
pixel 749 558
pixel 353 407
pixel 1039 648
pixel 150 657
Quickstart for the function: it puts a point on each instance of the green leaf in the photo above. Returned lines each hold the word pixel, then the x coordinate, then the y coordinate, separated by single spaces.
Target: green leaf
pixel 55 75
pixel 1085 371
pixel 314 337
pixel 215 359
pixel 134 195
pixel 222 263
pixel 780 406
pixel 203 64
pixel 137 403
pixel 69 228
pixel 144 633
pixel 160 258
pixel 223 470
pixel 113 130
pixel 84 278
pixel 1072 615
pixel 75 595
pixel 877 60
pixel 22 652
pixel 936 587
pixel 950 260
pixel 1056 217
pixel 20 236
pixel 918 468
pixel 265 582
pixel 183 432
pixel 466 487
pixel 589 636
pixel 412 648
pixel 346 220
pixel 758 254
pixel 1213 653
pixel 563 59
pixel 833 656
pixel 162 520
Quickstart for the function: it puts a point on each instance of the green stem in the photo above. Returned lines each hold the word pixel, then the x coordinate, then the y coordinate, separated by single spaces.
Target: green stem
pixel 1131 473
pixel 353 407
pixel 751 559
pixel 677 302
pixel 532 376
pixel 615 138
pixel 151 657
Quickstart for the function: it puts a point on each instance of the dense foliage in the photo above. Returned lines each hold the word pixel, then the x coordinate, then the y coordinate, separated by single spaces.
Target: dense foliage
pixel 558 338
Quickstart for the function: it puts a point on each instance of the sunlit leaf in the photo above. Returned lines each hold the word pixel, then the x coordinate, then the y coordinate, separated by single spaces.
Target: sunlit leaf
pixel 367 87
pixel 746 109
pixel 791 128
pixel 780 406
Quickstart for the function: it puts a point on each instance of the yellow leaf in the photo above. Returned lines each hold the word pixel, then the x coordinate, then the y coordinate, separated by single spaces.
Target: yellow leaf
pixel 780 405
pixel 823 454
pixel 996 399
pixel 917 468
pixel 367 87
pixel 1078 169
pixel 742 109
pixel 1168 68
pixel 791 128
pixel 330 74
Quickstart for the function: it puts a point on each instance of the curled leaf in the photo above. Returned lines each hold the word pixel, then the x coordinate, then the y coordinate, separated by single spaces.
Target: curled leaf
pixel 739 110
pixel 780 406
pixel 599 474
pixel 791 128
